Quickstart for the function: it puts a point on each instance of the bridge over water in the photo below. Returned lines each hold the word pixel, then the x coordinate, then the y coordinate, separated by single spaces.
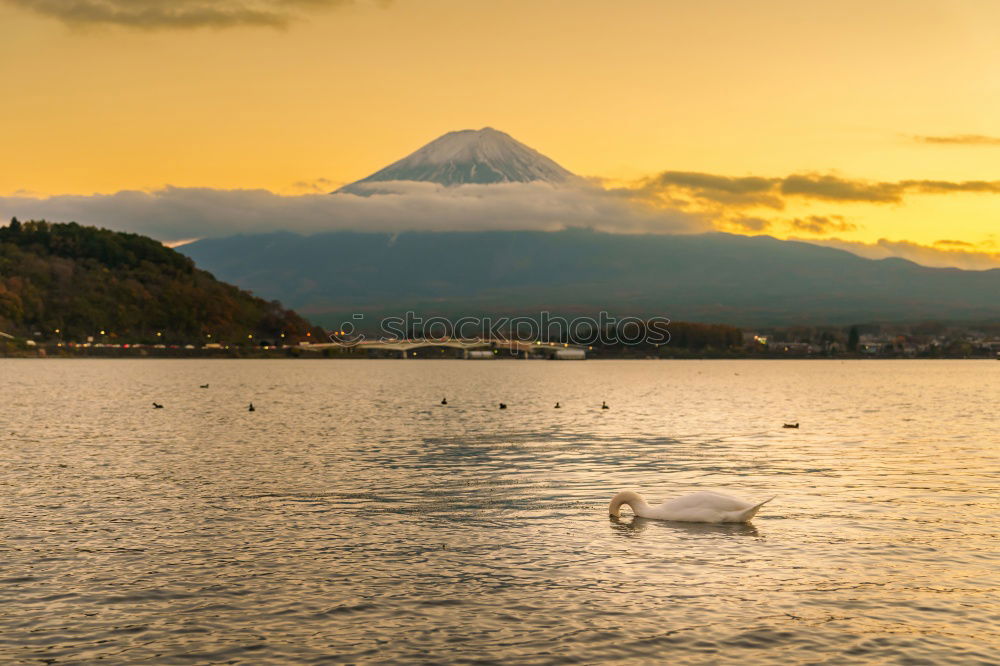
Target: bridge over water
pixel 466 348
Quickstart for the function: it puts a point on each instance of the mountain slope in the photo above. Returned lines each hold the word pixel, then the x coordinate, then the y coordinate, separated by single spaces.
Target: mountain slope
pixel 710 277
pixel 83 280
pixel 482 156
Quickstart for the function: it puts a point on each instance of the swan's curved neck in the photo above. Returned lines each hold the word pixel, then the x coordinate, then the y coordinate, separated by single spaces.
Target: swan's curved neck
pixel 633 499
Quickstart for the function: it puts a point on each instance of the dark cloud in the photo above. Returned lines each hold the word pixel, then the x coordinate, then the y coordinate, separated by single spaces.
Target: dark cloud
pixel 953 243
pixel 316 186
pixel 811 224
pixel 832 188
pixel 748 223
pixel 821 224
pixel 729 190
pixel 960 139
pixel 176 213
pixel 707 181
pixel 753 191
pixel 178 14
pixel 945 187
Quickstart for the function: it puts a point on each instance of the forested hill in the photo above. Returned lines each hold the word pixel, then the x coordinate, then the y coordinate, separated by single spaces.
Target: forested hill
pixel 81 281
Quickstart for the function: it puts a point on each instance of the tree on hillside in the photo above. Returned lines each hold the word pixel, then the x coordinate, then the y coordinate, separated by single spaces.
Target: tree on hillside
pixel 853 337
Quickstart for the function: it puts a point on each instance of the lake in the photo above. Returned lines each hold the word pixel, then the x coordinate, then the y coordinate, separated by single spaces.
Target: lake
pixel 352 518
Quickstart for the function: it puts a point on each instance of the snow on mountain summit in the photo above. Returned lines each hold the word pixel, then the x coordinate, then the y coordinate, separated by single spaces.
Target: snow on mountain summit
pixel 482 156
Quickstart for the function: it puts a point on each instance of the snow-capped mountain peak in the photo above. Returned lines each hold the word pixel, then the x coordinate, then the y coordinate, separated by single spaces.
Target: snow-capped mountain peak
pixel 483 156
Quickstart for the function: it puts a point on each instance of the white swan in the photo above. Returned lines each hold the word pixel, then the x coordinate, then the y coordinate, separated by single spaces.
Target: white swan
pixel 701 507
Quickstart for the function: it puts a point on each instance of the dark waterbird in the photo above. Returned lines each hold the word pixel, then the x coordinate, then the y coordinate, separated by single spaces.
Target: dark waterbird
pixel 604 405
pixel 250 408
pixel 557 406
pixel 444 401
pixel 157 405
pixel 503 405
pixel 204 386
pixel 791 425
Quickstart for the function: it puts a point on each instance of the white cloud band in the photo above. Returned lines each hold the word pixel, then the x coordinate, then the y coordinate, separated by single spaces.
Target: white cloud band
pixel 175 213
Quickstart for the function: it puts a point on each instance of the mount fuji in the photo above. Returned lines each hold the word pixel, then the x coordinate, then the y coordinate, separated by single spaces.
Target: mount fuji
pixel 485 156
pixel 500 268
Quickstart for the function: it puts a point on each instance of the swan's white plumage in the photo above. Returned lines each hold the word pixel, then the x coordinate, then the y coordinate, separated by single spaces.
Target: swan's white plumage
pixel 701 507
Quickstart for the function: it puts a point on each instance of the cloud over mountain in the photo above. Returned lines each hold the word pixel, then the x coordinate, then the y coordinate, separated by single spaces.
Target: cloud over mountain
pixel 944 254
pixel 821 224
pixel 175 213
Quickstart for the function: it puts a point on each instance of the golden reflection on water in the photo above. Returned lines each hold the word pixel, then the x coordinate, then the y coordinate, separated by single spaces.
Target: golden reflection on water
pixel 634 526
pixel 354 518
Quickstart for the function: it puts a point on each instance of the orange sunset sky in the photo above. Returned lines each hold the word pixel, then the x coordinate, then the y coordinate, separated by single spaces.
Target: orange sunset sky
pixel 862 122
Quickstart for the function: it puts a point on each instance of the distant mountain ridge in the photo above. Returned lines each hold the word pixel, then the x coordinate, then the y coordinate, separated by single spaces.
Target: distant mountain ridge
pixel 715 277
pixel 484 156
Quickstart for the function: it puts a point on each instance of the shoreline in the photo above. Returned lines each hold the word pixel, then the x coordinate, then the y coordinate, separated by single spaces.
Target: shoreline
pixel 296 353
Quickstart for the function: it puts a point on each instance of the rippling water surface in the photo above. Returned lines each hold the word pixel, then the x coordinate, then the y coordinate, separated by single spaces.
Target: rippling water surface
pixel 352 518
